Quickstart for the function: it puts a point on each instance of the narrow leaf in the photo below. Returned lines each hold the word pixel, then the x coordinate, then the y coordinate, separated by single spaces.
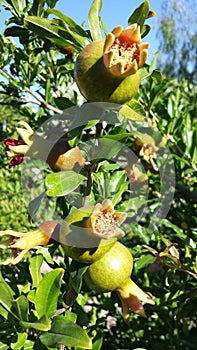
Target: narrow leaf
pixel 145 30
pixel 107 148
pixel 43 324
pixel 140 14
pixel 63 182
pixel 63 102
pixel 157 76
pixel 15 5
pixel 47 293
pixel 143 261
pixel 21 307
pixel 66 333
pixel 133 111
pixel 93 20
pixel 16 31
pixel 21 338
pixel 6 298
pixel 69 21
pixel 34 267
pixel 47 29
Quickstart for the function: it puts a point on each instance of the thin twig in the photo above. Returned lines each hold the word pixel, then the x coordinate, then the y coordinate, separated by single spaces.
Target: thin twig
pixel 48 106
pixel 36 96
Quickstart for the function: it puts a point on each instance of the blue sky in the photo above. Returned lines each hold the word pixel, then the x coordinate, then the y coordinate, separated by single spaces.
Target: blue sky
pixel 113 13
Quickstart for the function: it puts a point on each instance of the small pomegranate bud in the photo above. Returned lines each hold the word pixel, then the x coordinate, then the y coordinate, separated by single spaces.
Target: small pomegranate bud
pixel 63 157
pixel 59 156
pixel 66 50
pixel 17 149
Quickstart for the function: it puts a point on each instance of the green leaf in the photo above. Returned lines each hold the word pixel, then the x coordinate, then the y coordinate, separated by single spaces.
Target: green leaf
pixel 34 268
pixel 35 204
pixel 47 293
pixel 6 298
pixel 63 182
pixel 137 107
pixel 53 31
pixel 45 251
pixel 157 76
pixel 38 7
pixel 21 308
pixel 63 102
pixel 140 14
pixel 21 338
pixel 16 31
pixel 43 324
pixel 118 195
pixel 93 20
pixel 76 275
pixel 145 30
pixel 3 346
pixel 143 261
pixel 69 22
pixel 70 316
pixel 97 342
pixel 107 148
pixel 133 110
pixel 16 5
pixel 29 345
pixel 66 333
pixel 45 29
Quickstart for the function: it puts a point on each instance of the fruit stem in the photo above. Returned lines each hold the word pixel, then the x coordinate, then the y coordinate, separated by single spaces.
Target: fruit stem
pixel 131 297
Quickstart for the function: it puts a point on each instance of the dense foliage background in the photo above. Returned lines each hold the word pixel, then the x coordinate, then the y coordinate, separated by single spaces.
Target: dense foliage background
pixel 36 83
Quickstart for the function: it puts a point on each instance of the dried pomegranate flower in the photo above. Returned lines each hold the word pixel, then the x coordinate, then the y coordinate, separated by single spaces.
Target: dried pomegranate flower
pixel 20 243
pixel 16 149
pixel 131 297
pixel 105 221
pixel 124 53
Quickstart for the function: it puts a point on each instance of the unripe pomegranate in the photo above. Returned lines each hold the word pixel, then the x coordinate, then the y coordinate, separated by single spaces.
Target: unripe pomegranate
pixel 90 231
pixel 108 70
pixel 89 255
pixel 112 273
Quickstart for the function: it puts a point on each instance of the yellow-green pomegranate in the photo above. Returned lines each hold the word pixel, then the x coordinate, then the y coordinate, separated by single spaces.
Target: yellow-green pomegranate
pixel 109 70
pixel 91 231
pixel 111 271
pixel 89 255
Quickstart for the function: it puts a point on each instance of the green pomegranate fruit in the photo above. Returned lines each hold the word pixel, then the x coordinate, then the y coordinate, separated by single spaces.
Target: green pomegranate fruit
pixel 111 271
pixel 97 83
pixel 91 231
pixel 89 255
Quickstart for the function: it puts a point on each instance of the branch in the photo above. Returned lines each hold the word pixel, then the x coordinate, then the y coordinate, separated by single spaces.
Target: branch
pixel 36 96
pixel 43 103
